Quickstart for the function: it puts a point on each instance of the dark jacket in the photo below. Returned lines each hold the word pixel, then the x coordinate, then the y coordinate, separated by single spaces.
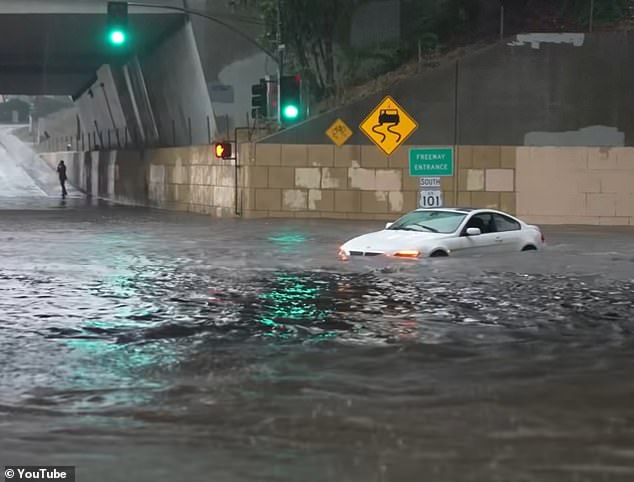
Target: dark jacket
pixel 61 171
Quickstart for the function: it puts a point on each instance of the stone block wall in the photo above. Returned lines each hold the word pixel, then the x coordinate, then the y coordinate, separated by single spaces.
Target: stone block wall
pixel 485 178
pixel 360 182
pixel 191 179
pixel 572 185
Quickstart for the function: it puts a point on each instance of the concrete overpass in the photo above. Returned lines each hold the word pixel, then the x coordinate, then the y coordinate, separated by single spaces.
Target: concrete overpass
pixel 186 73
pixel 56 47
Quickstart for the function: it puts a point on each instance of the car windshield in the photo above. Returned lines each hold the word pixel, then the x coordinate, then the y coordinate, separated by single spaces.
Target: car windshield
pixel 429 221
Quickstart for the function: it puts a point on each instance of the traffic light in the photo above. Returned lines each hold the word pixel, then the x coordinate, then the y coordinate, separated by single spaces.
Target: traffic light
pixel 117 32
pixel 290 98
pixel 259 100
pixel 222 150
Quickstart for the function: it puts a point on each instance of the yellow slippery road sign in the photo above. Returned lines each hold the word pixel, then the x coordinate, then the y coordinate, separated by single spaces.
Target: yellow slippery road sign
pixel 339 132
pixel 388 125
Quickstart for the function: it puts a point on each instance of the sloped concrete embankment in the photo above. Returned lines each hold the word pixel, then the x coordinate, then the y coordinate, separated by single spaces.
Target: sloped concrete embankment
pixel 23 172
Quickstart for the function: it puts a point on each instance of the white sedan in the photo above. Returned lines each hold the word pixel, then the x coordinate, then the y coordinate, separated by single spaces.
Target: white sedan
pixel 446 231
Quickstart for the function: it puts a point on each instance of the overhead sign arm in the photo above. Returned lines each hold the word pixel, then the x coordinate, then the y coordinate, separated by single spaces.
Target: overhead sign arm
pixel 211 18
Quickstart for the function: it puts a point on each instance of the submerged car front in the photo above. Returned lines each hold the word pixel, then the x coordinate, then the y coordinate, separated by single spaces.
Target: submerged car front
pixel 399 244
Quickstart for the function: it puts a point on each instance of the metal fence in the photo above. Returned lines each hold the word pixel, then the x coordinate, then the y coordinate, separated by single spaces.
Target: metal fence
pixel 175 134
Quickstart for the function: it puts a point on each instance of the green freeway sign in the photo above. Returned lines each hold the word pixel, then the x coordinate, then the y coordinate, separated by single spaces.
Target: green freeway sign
pixel 437 161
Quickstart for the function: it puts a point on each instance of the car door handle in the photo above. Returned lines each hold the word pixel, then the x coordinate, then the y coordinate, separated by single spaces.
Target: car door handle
pixel 498 239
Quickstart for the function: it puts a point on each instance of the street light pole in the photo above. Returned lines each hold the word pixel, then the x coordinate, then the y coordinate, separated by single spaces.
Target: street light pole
pixel 591 14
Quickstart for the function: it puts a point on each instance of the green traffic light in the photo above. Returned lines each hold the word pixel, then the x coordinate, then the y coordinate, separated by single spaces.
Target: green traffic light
pixel 291 112
pixel 117 37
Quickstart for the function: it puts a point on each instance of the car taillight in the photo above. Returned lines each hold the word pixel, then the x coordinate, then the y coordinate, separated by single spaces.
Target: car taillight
pixel 407 254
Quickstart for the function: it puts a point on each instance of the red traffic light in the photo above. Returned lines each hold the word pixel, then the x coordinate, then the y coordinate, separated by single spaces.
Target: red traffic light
pixel 222 150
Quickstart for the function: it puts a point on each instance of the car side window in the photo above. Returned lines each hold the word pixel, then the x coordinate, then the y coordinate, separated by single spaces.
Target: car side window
pixel 482 221
pixel 504 223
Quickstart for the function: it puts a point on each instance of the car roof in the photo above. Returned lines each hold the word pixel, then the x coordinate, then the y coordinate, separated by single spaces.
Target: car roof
pixel 466 210
pixel 457 209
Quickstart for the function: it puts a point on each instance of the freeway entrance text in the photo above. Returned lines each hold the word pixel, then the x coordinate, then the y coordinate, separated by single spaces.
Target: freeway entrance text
pixel 431 162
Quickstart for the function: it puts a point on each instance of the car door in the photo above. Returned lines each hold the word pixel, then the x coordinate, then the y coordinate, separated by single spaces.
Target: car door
pixel 508 231
pixel 481 244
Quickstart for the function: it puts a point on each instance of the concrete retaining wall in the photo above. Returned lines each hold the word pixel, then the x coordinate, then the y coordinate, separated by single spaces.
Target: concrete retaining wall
pixel 530 90
pixel 181 179
pixel 359 182
pixel 545 185
pixel 576 185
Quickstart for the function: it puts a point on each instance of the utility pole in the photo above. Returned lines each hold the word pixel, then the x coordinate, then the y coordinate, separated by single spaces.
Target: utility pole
pixel 591 14
pixel 280 62
pixel 501 19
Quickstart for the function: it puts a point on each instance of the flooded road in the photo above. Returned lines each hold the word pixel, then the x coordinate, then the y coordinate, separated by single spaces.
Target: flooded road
pixel 141 345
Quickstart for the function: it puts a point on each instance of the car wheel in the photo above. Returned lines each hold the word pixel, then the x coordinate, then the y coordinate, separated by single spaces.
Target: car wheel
pixel 530 247
pixel 439 254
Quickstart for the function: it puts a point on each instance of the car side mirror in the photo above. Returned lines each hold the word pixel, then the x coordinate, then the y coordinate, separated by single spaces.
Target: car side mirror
pixel 473 232
pixel 387 225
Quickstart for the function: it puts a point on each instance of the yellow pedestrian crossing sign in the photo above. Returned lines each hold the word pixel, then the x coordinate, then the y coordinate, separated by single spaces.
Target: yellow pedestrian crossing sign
pixel 388 125
pixel 339 132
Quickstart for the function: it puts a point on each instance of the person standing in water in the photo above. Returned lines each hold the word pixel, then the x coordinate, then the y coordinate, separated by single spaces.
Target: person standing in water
pixel 61 172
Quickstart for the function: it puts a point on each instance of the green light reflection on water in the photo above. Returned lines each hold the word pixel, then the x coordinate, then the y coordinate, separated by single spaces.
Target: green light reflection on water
pixel 114 376
pixel 293 300
pixel 102 362
pixel 124 361
pixel 288 241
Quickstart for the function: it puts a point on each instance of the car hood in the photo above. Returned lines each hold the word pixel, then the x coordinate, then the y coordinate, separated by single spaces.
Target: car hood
pixel 391 240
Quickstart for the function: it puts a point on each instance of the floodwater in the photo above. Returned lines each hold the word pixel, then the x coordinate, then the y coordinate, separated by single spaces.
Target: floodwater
pixel 142 346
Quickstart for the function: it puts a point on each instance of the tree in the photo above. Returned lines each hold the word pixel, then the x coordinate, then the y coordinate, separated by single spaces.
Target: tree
pixel 310 31
pixel 604 10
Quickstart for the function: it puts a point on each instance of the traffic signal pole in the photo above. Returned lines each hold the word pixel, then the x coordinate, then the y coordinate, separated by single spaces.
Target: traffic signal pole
pixel 280 63
pixel 211 18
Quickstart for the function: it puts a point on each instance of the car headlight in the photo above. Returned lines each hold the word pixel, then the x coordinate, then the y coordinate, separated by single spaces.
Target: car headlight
pixel 407 253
